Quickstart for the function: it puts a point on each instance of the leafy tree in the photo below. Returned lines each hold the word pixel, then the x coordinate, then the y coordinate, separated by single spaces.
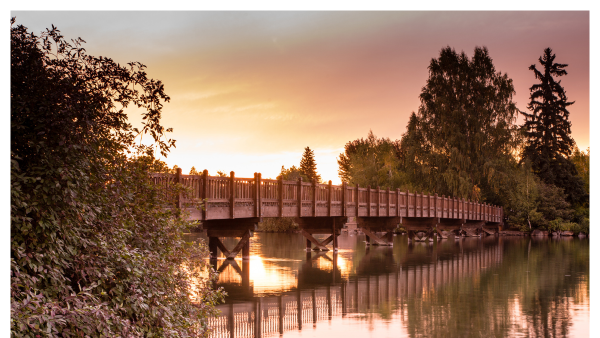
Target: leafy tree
pixel 581 160
pixel 193 171
pixel 93 253
pixel 371 162
pixel 308 166
pixel 463 136
pixel 549 141
pixel 221 173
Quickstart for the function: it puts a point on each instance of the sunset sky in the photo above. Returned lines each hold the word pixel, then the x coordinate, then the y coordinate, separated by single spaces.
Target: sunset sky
pixel 250 90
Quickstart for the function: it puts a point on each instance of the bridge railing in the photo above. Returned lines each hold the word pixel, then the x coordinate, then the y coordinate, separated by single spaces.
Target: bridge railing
pixel 232 197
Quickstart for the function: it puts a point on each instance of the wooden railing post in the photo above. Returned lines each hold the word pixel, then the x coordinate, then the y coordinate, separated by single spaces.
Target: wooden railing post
pixel 314 184
pixel 368 201
pixel 232 195
pixel 258 187
pixel 280 188
pixel 435 203
pixel 357 194
pixel 378 200
pixel 344 201
pixel 388 201
pixel 407 201
pixel 422 200
pixel 179 200
pixel 299 196
pixel 204 193
pixel 330 198
pixel 256 191
pixel 398 202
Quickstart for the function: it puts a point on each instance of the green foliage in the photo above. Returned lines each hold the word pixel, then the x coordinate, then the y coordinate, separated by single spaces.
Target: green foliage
pixel 372 162
pixel 193 171
pixel 552 205
pixel 221 173
pixel 93 251
pixel 549 141
pixel 281 224
pixel 581 160
pixel 520 197
pixel 308 166
pixel 463 136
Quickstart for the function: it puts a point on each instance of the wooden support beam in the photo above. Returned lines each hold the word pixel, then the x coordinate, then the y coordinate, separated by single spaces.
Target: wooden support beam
pixel 374 238
pixel 213 246
pixel 245 238
pixel 222 247
pixel 233 264
pixel 314 241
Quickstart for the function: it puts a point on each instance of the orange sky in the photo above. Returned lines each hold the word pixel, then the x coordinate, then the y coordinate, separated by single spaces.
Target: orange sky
pixel 250 90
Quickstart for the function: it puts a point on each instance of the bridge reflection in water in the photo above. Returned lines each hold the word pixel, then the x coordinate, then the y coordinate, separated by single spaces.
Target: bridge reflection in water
pixel 321 294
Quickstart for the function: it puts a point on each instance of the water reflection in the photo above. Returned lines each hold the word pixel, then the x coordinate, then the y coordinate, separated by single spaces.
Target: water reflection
pixel 492 287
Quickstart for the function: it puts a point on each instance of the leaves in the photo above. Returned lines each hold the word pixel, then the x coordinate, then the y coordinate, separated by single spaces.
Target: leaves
pixel 90 238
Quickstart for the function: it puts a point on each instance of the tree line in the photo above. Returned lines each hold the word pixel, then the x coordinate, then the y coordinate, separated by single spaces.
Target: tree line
pixel 464 141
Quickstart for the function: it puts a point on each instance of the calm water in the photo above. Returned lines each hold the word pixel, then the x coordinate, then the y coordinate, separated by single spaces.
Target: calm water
pixel 489 287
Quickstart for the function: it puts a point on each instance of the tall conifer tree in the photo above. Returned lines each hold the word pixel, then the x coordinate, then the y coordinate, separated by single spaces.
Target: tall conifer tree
pixel 549 141
pixel 308 165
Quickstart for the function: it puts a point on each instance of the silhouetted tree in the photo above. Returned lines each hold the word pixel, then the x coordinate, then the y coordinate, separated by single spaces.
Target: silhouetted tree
pixel 308 166
pixel 549 141
pixel 93 251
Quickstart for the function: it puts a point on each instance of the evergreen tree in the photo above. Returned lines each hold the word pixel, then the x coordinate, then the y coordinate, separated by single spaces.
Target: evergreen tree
pixel 462 138
pixel 549 141
pixel 308 166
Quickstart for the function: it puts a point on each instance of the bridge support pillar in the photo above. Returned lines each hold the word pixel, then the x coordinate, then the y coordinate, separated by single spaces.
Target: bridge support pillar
pixel 472 228
pixel 310 226
pixel 240 228
pixel 371 226
pixel 420 229
pixel 491 229
pixel 447 226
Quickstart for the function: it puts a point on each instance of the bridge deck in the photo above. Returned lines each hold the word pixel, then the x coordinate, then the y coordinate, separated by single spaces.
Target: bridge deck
pixel 238 198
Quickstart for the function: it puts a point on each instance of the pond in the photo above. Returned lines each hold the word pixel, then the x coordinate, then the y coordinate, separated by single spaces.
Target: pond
pixel 495 286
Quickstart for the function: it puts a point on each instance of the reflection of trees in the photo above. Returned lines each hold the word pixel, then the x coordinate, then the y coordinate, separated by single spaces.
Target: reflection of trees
pixel 530 294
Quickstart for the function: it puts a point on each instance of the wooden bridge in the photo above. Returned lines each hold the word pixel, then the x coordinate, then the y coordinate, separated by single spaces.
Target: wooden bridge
pixel 234 206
